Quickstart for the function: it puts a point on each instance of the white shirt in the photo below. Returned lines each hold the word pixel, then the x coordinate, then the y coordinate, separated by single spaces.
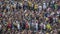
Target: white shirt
pixel 32 24
pixel 3 13
pixel 14 5
pixel 25 0
pixel 8 7
pixel 41 24
pixel 52 13
pixel 44 6
pixel 36 25
pixel 21 4
pixel 18 26
pixel 0 26
pixel 44 26
pixel 40 8
pixel 58 13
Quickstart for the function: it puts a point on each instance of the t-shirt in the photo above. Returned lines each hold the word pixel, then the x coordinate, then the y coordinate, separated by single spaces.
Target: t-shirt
pixel 55 6
pixel 47 33
pixel 47 19
pixel 36 25
pixel 27 25
pixel 30 3
pixel 25 0
pixel 48 26
pixel 9 25
pixel 59 21
pixel 36 6
pixel 18 26
pixel 44 6
pixel 40 8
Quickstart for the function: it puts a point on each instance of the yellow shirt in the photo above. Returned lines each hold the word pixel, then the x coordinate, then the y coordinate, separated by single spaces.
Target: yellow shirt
pixel 35 6
pixel 47 33
pixel 9 29
pixel 46 19
pixel 48 26
pixel 15 24
pixel 30 3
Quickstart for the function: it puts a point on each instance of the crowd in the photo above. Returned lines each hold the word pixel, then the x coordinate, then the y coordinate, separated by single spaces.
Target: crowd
pixel 29 16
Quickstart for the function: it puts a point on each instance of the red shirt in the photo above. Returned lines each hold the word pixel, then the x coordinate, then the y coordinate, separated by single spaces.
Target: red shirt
pixel 26 25
pixel 9 25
